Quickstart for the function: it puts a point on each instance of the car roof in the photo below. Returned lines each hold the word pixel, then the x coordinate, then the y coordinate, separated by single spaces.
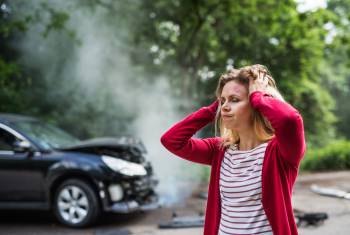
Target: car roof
pixel 9 117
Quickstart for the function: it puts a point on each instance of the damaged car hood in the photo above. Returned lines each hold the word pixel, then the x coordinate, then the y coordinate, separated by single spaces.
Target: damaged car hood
pixel 109 142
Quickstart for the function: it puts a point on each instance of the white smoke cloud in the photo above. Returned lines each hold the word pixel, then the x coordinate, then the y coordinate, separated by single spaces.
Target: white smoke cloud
pixel 100 65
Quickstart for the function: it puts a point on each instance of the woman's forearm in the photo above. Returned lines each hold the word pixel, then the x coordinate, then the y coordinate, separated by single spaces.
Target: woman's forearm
pixel 287 123
pixel 179 138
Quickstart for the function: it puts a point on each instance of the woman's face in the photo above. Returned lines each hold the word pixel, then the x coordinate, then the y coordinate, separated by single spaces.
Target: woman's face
pixel 236 111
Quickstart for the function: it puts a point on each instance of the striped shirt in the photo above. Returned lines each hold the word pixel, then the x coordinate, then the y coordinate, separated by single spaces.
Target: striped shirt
pixel 240 191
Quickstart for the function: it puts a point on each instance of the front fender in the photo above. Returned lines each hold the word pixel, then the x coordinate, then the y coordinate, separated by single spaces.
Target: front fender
pixel 60 171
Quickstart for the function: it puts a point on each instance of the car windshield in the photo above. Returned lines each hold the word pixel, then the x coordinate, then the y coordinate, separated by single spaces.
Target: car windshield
pixel 46 135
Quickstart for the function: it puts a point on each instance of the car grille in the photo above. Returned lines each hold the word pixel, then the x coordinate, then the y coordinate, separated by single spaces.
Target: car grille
pixel 139 188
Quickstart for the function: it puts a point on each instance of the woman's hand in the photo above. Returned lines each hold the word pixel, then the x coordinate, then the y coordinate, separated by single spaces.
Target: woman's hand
pixel 258 81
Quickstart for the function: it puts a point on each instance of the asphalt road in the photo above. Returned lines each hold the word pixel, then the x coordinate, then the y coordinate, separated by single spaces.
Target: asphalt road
pixel 338 210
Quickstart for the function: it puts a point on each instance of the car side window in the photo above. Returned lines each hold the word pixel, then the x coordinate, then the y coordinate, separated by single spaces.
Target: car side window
pixel 7 140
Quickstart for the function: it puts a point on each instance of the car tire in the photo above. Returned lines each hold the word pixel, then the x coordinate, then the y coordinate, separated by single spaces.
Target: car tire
pixel 76 204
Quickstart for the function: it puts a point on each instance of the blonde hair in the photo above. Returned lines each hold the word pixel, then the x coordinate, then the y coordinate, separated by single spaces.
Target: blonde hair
pixel 262 127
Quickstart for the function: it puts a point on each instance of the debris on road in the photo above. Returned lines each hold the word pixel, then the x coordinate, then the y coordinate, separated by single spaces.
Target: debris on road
pixel 192 221
pixel 331 192
pixel 315 219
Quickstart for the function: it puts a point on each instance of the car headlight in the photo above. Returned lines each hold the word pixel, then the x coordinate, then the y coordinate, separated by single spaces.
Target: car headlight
pixel 124 167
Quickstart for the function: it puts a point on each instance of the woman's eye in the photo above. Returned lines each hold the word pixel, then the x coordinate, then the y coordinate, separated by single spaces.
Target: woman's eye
pixel 231 100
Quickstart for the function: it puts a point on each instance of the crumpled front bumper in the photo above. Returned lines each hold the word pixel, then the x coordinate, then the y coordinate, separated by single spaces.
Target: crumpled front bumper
pixel 134 206
pixel 138 195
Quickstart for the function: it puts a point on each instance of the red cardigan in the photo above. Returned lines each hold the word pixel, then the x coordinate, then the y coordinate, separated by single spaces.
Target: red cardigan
pixel 280 166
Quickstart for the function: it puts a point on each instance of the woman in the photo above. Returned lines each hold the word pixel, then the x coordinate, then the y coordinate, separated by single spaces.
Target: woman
pixel 254 163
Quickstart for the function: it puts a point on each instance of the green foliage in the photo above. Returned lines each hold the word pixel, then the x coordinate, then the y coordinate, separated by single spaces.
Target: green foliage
pixel 335 156
pixel 335 69
pixel 22 89
pixel 12 85
pixel 208 36
pixel 192 43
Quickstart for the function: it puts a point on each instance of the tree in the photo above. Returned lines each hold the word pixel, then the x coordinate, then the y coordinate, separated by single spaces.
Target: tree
pixel 336 66
pixel 12 81
pixel 192 43
pixel 205 37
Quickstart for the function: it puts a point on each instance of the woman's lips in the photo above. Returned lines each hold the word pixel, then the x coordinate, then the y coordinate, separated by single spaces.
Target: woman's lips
pixel 227 116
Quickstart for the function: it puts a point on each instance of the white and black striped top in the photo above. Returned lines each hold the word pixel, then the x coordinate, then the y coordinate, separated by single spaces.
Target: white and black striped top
pixel 240 191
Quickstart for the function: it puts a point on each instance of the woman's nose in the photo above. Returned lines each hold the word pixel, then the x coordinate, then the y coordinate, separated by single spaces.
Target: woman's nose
pixel 225 107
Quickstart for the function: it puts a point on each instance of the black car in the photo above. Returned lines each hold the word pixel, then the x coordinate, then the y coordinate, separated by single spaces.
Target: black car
pixel 43 167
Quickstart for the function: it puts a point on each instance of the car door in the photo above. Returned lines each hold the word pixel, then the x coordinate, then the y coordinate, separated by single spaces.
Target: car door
pixel 21 175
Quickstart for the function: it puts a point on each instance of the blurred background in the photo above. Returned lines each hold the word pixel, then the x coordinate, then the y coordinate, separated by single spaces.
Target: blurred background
pixel 134 68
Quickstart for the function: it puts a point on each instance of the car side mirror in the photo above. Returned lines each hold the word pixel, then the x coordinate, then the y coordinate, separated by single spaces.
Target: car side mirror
pixel 22 146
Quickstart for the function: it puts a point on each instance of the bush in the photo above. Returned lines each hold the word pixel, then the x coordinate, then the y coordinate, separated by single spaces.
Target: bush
pixel 335 156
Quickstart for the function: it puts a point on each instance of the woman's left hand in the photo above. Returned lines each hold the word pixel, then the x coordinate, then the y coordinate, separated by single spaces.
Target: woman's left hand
pixel 258 82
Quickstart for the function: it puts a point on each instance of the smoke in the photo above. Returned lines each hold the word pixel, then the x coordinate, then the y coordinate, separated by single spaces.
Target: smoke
pixel 98 71
pixel 177 177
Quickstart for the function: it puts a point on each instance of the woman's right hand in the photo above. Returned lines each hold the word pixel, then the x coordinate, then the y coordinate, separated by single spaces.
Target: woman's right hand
pixel 261 81
pixel 258 81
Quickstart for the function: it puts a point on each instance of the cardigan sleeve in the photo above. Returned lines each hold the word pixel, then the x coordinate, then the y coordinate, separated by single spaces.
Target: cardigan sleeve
pixel 287 123
pixel 180 141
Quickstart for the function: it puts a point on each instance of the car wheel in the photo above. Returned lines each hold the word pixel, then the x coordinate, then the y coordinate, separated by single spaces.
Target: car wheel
pixel 76 203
